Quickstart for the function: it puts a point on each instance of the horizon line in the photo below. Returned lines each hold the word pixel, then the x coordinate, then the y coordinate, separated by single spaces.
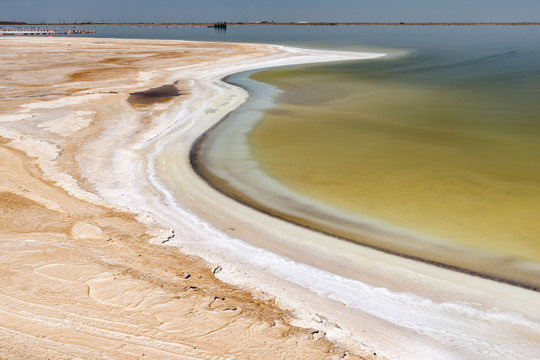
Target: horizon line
pixel 233 23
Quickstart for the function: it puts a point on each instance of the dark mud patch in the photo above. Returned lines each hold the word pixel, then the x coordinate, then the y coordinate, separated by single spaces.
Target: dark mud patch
pixel 154 95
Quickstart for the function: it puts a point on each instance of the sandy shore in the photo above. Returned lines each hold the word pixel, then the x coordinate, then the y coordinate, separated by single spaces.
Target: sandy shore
pixel 80 278
pixel 93 185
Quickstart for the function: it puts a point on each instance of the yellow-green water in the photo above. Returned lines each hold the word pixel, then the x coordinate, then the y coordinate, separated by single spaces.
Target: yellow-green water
pixel 431 152
pixel 444 162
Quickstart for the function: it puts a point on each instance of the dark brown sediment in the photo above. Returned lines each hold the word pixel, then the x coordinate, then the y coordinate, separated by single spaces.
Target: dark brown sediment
pixel 154 95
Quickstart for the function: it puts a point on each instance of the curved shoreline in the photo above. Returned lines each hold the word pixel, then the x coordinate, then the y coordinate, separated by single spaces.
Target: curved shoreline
pixel 82 275
pixel 213 180
pixel 361 299
pixel 276 214
pixel 237 235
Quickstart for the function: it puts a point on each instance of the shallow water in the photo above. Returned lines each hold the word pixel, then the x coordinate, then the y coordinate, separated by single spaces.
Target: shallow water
pixel 456 164
pixel 438 141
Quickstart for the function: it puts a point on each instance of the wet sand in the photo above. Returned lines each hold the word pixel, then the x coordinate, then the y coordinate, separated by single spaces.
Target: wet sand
pixel 99 181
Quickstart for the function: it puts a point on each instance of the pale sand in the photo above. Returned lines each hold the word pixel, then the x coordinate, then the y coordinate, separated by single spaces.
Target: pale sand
pixel 79 277
pixel 75 285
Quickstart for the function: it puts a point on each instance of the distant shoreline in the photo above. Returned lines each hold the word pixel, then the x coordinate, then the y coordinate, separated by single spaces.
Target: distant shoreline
pixel 272 23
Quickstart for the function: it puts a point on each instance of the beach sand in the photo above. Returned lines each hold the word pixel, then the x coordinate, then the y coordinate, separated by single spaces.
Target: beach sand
pixel 96 179
pixel 80 278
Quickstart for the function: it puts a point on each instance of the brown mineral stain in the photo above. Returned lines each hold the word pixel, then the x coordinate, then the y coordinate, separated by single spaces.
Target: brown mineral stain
pixel 25 215
pixel 103 73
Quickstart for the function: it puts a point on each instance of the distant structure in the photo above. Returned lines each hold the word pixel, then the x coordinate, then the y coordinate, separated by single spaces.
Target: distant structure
pixel 41 30
pixel 28 32
pixel 220 25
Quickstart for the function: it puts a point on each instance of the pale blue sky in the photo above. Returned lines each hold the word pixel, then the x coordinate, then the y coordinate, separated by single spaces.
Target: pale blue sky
pixel 278 10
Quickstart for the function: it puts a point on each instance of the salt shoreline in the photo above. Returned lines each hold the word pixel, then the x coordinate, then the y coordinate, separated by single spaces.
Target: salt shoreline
pixel 362 299
pixel 440 288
